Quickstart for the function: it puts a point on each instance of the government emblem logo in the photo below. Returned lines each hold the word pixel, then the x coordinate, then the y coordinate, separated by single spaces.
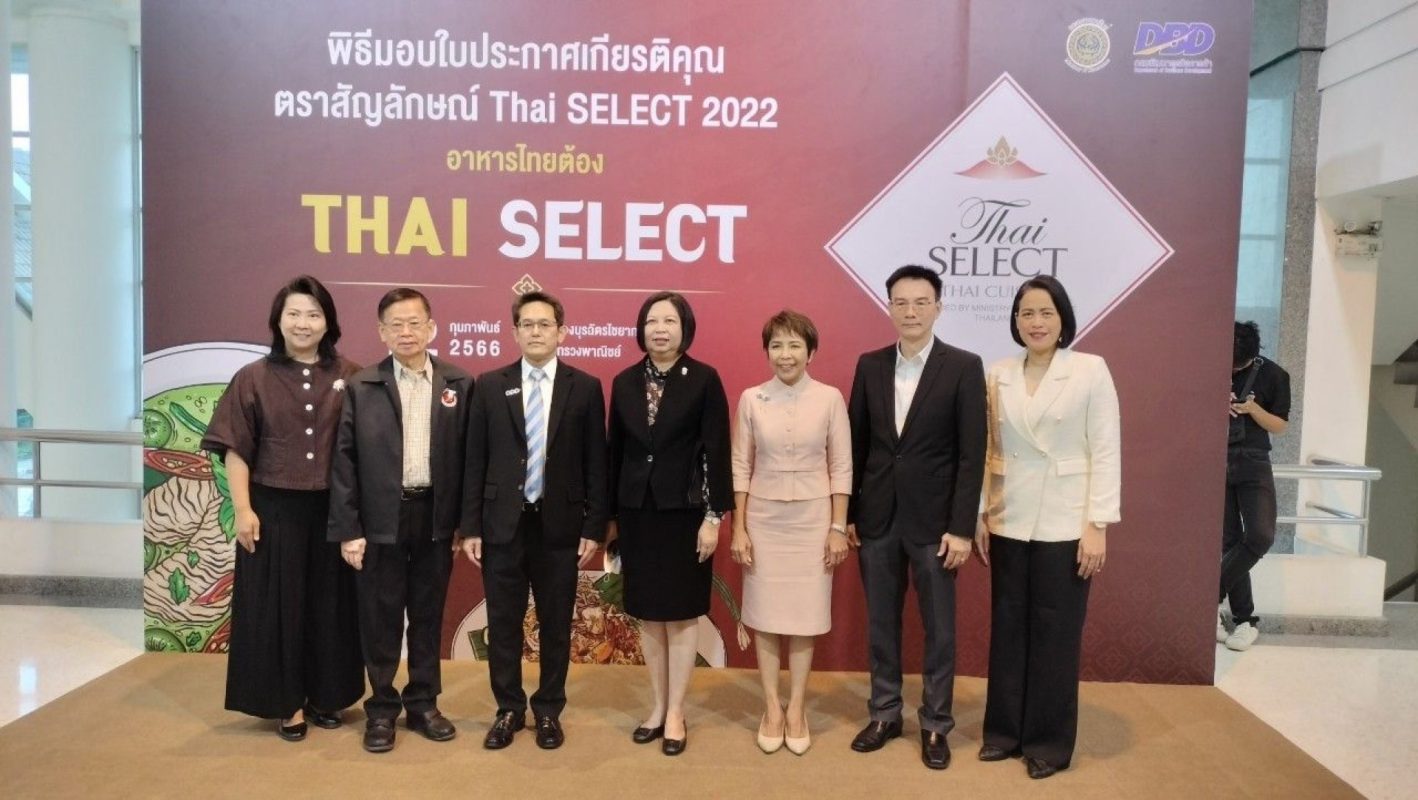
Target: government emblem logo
pixel 1087 45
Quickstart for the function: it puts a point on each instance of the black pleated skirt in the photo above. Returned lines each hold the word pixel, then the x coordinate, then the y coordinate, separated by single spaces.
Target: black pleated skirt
pixel 294 625
pixel 664 580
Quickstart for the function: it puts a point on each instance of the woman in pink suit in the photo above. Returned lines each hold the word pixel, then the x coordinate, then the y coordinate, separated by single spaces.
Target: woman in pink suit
pixel 792 462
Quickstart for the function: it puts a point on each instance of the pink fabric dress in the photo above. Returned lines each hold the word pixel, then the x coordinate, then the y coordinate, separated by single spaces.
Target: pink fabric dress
pixel 792 452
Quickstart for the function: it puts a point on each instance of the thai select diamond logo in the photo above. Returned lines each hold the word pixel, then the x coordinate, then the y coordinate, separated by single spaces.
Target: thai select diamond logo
pixel 1000 196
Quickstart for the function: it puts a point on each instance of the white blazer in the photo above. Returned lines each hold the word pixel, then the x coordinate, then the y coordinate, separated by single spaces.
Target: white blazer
pixel 1053 462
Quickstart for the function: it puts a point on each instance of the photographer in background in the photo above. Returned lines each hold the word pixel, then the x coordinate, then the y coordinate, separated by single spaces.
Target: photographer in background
pixel 1259 407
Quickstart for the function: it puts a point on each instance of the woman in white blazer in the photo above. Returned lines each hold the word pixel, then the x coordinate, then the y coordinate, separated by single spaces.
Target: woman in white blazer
pixel 1052 486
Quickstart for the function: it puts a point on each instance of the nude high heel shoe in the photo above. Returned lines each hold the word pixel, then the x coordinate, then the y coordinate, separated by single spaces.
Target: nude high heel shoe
pixel 797 746
pixel 769 744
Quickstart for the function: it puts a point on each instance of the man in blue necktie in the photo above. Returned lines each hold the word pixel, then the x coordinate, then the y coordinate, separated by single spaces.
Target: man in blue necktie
pixel 534 510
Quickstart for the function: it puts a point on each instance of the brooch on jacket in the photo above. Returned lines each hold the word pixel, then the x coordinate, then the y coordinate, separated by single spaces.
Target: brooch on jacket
pixel 449 398
pixel 338 385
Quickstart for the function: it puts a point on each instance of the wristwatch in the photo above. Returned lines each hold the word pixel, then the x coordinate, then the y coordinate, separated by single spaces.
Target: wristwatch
pixel 839 527
pixel 713 517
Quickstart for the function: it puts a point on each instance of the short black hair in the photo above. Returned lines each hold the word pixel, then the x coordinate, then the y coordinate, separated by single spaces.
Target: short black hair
pixel 686 318
pixel 1068 322
pixel 304 284
pixel 792 323
pixel 1246 343
pixel 401 294
pixel 914 271
pixel 538 297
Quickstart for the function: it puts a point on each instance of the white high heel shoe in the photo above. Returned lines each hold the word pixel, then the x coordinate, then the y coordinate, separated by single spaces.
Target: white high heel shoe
pixel 797 746
pixel 769 744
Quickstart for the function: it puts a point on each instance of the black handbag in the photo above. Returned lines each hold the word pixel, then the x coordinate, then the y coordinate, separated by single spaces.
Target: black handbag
pixel 1236 432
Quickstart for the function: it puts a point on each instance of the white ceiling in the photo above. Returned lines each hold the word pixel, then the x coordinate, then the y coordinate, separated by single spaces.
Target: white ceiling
pixel 124 10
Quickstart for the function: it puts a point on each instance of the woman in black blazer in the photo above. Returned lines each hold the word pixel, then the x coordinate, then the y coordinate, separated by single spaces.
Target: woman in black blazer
pixel 670 485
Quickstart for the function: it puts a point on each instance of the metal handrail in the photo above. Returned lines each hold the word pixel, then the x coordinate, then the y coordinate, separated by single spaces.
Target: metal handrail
pixel 1327 472
pixel 1402 585
pixel 74 484
pixel 1343 515
pixel 1323 468
pixel 67 436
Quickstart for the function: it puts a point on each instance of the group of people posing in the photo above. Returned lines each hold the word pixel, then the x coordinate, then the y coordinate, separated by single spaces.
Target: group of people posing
pixel 356 489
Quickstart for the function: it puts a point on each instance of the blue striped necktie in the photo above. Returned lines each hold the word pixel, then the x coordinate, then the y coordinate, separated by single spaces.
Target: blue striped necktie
pixel 536 438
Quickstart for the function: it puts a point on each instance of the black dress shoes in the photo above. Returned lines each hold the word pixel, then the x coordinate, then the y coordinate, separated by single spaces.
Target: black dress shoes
pixel 643 735
pixel 875 734
pixel 322 720
pixel 673 747
pixel 549 733
pixel 506 724
pixel 379 735
pixel 1039 768
pixel 433 725
pixel 935 753
pixel 291 733
pixel 992 752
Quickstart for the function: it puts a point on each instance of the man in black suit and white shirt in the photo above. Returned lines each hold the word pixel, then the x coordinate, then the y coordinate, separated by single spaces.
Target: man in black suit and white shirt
pixel 396 491
pixel 918 449
pixel 534 510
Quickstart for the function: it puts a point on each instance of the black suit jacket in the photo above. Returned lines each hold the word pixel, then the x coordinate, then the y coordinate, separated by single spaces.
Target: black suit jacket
pixel 574 475
pixel 690 436
pixel 367 471
pixel 930 476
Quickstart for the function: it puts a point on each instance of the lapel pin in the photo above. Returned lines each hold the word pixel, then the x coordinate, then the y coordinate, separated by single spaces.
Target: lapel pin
pixel 449 398
pixel 684 370
pixel 511 392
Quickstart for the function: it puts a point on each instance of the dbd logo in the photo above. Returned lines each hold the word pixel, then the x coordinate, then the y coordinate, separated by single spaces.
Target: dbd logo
pixel 1173 39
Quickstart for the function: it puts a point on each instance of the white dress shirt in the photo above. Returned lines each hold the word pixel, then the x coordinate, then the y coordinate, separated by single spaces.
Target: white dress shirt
pixel 908 377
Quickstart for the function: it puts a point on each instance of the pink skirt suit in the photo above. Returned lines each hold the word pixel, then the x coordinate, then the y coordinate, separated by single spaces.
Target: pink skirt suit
pixel 792 451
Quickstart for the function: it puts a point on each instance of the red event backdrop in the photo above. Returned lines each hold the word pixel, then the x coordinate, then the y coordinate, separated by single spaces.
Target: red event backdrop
pixel 754 155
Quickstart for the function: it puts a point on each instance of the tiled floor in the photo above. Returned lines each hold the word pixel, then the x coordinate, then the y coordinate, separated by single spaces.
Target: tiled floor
pixel 46 651
pixel 1354 710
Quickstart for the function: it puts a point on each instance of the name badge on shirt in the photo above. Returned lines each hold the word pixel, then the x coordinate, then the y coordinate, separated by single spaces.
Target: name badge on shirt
pixel 449 398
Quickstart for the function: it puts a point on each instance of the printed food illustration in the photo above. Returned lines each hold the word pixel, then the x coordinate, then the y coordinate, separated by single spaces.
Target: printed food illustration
pixel 188 518
pixel 601 631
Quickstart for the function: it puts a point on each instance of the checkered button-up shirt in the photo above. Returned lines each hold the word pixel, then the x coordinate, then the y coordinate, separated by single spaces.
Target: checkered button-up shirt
pixel 416 396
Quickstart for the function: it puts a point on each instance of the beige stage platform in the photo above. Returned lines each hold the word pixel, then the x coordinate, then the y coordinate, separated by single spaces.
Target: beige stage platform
pixel 156 728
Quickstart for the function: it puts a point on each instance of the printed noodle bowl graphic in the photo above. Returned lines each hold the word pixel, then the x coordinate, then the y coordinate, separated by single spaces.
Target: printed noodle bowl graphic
pixel 601 632
pixel 188 553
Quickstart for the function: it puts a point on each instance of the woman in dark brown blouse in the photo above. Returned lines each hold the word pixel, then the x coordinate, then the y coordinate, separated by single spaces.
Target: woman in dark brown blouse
pixel 294 651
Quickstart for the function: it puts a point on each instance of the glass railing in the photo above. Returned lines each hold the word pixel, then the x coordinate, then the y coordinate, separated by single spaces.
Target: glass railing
pixel 31 471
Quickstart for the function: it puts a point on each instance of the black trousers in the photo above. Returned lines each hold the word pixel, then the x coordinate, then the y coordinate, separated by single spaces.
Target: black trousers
pixel 509 570
pixel 884 562
pixel 407 577
pixel 1037 608
pixel 1248 528
pixel 294 636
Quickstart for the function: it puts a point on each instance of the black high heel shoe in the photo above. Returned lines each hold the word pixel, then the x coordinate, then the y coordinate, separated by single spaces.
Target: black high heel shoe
pixel 1039 768
pixel 991 752
pixel 322 720
pixel 291 733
